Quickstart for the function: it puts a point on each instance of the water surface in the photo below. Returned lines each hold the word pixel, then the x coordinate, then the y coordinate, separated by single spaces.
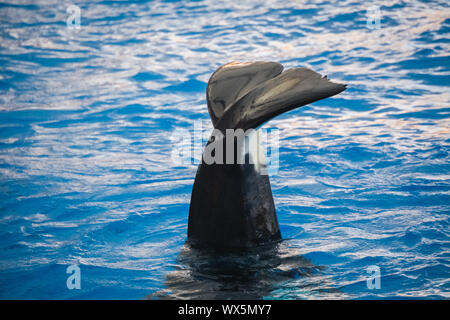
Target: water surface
pixel 86 178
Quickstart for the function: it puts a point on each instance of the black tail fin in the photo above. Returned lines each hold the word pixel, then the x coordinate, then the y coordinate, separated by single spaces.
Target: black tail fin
pixel 247 95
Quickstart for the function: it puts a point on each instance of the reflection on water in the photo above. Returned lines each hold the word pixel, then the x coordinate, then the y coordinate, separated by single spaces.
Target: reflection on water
pixel 86 118
pixel 262 272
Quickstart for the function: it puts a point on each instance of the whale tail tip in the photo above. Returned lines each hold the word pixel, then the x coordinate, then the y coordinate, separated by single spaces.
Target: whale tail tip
pixel 259 91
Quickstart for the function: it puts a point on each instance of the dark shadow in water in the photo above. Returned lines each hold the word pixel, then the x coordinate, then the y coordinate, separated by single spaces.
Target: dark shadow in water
pixel 273 270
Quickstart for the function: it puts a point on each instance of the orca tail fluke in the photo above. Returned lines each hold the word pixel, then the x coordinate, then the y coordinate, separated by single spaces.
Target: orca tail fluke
pixel 289 90
pixel 231 203
pixel 233 80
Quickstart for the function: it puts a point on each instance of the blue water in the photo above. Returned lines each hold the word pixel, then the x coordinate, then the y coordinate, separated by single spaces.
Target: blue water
pixel 86 177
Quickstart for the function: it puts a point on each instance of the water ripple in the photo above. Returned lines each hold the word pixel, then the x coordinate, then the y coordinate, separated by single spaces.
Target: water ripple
pixel 85 170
